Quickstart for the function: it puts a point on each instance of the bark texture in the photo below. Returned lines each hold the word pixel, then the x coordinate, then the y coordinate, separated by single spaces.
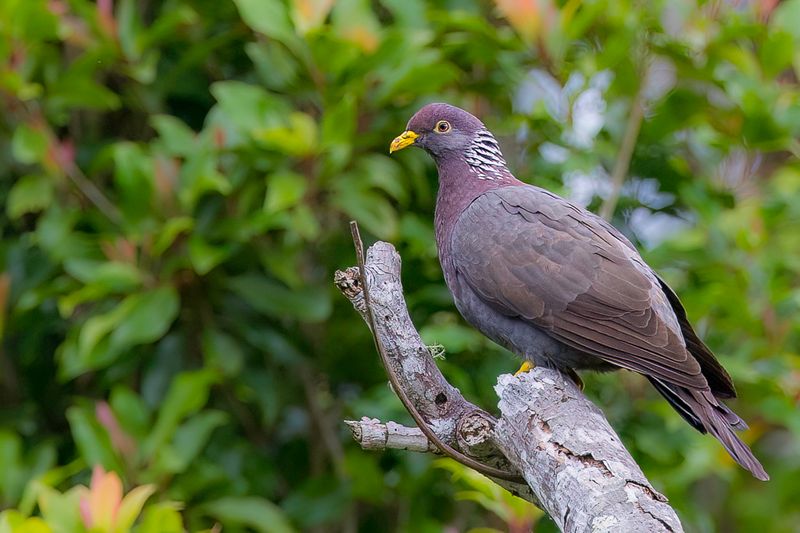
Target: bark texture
pixel 573 463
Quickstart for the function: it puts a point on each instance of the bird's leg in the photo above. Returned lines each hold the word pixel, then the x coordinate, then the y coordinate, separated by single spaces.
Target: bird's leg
pixel 575 378
pixel 526 366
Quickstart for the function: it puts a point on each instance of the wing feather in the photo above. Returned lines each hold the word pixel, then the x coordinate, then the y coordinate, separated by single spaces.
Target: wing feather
pixel 533 255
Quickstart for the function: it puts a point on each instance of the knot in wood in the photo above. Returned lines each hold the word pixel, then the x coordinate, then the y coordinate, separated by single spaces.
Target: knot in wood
pixel 475 429
pixel 348 281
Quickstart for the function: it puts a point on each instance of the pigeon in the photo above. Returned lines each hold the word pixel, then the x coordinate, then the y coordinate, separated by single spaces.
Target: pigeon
pixel 558 285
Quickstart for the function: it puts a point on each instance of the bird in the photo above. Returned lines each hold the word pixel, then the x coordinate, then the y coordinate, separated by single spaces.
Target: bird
pixel 558 285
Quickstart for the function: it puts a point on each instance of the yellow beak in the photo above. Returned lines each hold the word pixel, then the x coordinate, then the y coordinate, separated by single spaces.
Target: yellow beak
pixel 406 138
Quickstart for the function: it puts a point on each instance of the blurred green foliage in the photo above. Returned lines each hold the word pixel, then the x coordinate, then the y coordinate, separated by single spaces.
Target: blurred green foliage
pixel 178 175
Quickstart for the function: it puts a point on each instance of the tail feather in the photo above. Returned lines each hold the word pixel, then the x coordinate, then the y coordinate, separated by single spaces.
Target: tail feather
pixel 707 414
pixel 732 418
pixel 718 379
pixel 684 409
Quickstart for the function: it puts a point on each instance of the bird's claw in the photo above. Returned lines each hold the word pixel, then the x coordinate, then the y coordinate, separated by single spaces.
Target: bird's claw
pixel 525 367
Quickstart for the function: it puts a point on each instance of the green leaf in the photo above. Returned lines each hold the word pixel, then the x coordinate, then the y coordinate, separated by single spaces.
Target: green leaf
pixel 92 439
pixel 55 234
pixel 92 350
pixel 139 319
pixel 78 91
pixel 263 389
pixel 30 194
pixel 304 221
pixel 190 439
pixel 129 29
pixel 161 518
pixel 223 352
pixel 309 15
pixel 33 22
pixel 12 521
pixel 50 478
pixel 297 136
pixel 131 507
pixel 383 173
pixel 133 176
pixel 368 207
pixel 284 190
pixel 169 233
pixel 88 293
pixel 11 465
pixel 274 63
pixel 204 256
pixel 339 122
pixel 787 17
pixel 269 17
pixel 366 475
pixel 176 136
pixel 187 394
pixel 18 470
pixel 258 513
pixel 199 176
pixel 167 24
pixel 130 410
pixel 316 501
pixel 307 303
pixel 111 275
pixel 249 107
pixel 147 318
pixel 29 144
pixel 777 52
pixel 28 525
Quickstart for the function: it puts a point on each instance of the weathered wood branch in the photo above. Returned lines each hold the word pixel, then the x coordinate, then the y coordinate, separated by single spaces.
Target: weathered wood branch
pixel 372 434
pixel 573 463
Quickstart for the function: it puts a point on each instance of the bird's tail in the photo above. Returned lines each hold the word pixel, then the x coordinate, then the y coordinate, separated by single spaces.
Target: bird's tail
pixel 707 414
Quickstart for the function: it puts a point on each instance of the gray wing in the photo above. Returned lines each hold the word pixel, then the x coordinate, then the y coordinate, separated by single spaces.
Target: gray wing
pixel 533 255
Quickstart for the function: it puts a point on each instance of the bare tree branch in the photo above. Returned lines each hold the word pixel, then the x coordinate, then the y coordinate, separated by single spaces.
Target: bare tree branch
pixel 372 434
pixel 573 463
pixel 625 154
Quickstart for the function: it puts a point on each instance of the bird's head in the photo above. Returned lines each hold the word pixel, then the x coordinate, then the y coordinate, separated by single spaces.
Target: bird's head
pixel 439 129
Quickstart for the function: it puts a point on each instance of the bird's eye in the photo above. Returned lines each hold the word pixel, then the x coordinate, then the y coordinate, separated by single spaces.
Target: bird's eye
pixel 442 126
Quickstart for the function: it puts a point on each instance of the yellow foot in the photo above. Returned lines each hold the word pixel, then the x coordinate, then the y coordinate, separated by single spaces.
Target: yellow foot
pixel 576 378
pixel 526 366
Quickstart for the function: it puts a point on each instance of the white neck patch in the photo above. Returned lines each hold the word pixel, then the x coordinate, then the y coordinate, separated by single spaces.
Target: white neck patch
pixel 484 157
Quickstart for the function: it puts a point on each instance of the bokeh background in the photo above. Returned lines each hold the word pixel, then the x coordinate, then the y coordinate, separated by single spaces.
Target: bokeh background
pixel 177 178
